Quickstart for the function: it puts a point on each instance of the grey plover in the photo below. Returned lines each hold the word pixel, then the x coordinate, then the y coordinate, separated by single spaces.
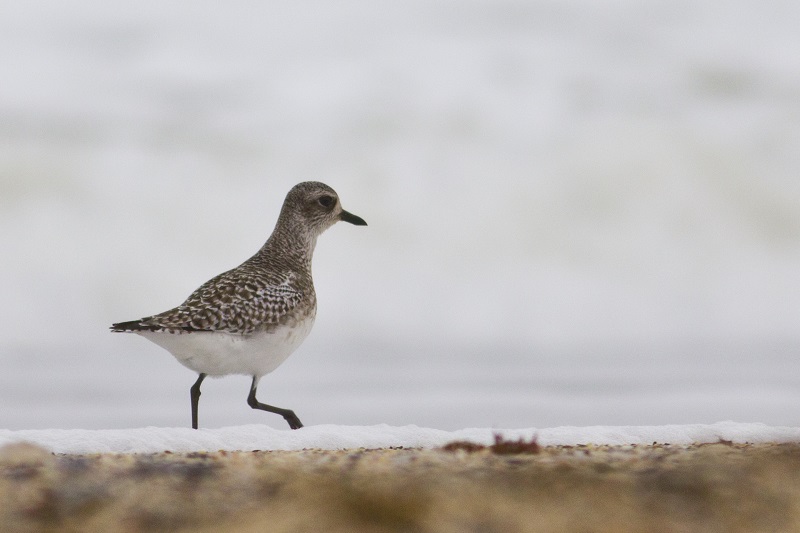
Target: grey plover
pixel 250 319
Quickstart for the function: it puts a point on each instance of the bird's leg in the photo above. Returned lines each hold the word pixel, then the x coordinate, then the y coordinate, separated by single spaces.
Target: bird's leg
pixel 287 414
pixel 194 392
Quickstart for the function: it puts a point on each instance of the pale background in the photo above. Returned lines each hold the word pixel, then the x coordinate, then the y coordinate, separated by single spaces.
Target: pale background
pixel 580 212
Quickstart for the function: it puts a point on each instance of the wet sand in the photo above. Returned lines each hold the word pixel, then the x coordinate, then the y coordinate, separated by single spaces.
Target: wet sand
pixel 513 487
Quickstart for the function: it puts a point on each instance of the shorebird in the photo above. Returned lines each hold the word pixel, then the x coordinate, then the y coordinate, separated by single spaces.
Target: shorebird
pixel 248 320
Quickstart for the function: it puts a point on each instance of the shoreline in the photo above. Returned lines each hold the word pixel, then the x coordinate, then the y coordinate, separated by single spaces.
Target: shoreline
pixel 335 437
pixel 720 486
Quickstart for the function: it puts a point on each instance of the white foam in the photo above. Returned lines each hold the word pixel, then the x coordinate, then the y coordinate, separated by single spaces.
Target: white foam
pixel 333 437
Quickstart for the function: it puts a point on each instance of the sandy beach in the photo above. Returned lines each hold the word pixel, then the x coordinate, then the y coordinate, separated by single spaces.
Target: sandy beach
pixel 515 486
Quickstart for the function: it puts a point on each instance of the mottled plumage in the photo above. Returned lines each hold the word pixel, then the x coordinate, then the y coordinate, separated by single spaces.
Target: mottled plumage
pixel 248 320
pixel 241 301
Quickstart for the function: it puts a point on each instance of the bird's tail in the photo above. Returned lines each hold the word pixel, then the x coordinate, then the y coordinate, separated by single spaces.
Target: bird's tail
pixel 133 325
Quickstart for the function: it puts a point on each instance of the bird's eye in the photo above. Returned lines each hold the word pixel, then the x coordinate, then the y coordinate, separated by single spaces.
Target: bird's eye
pixel 326 201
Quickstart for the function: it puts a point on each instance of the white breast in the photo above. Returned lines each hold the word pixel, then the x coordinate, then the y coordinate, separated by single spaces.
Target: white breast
pixel 219 353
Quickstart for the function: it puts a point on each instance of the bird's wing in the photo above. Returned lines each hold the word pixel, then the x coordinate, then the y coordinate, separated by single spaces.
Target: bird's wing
pixel 234 302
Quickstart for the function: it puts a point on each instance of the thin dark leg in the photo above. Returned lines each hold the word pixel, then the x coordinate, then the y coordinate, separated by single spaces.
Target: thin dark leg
pixel 194 392
pixel 287 414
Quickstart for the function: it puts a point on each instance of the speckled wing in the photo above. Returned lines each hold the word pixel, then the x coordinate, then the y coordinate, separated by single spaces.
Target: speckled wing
pixel 239 301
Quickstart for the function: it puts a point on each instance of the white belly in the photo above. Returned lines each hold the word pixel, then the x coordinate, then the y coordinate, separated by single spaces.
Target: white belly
pixel 219 354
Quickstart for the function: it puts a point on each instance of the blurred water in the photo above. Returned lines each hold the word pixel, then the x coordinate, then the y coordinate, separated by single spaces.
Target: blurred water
pixel 580 212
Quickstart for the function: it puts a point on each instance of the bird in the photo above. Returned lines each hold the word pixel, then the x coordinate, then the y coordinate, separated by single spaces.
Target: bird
pixel 249 319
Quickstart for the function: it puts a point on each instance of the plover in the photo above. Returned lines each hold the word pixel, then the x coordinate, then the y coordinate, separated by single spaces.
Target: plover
pixel 250 319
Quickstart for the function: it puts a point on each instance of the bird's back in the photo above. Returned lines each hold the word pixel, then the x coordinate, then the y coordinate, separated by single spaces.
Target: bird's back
pixel 255 296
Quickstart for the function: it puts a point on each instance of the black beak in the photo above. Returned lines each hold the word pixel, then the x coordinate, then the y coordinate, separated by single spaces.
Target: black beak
pixel 351 218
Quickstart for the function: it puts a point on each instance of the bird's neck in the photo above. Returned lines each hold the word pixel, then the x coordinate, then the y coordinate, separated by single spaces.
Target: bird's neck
pixel 295 248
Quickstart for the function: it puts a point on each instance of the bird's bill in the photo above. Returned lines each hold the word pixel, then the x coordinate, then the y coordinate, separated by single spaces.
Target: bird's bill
pixel 351 218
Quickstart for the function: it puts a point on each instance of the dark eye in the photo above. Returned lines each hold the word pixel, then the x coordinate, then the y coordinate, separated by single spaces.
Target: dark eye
pixel 327 201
